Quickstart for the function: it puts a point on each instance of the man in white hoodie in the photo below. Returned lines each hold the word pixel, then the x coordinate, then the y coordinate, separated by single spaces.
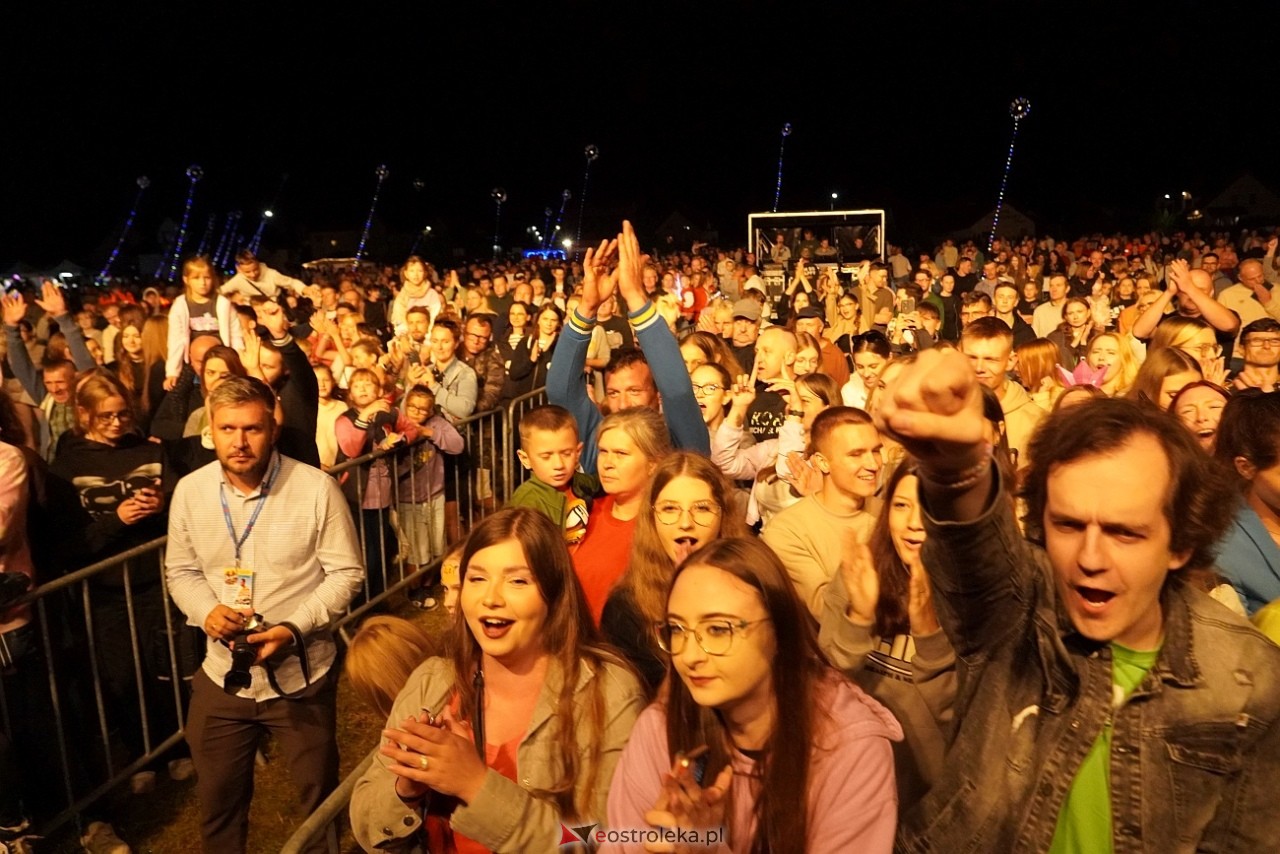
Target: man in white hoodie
pixel 988 342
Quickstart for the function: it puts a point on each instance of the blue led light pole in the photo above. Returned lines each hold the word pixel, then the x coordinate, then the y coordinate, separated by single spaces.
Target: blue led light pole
pixel 1019 109
pixel 782 147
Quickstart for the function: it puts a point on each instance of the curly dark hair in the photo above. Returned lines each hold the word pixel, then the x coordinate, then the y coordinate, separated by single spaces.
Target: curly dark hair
pixel 1200 503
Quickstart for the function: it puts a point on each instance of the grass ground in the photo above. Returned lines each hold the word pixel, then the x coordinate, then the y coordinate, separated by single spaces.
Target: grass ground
pixel 166 821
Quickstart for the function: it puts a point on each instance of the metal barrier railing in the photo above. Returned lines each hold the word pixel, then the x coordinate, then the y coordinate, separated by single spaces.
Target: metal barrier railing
pixel 103 689
pixel 113 622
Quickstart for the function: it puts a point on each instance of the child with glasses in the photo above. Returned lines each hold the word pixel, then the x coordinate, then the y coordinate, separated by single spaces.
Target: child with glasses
pixel 758 744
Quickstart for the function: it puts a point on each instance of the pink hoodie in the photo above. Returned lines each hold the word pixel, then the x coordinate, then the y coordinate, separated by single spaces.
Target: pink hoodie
pixel 853 801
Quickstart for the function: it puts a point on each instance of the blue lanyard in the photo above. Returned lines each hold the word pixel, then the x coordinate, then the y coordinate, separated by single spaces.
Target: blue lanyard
pixel 262 500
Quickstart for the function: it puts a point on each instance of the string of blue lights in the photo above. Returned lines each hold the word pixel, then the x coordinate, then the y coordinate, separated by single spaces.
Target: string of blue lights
pixel 591 152
pixel 382 173
pixel 782 147
pixel 208 232
pixel 499 196
pixel 226 245
pixel 1019 109
pixel 143 183
pixel 565 196
pixel 194 174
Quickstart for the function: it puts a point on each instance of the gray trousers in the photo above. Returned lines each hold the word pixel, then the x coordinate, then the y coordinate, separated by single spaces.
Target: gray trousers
pixel 224 730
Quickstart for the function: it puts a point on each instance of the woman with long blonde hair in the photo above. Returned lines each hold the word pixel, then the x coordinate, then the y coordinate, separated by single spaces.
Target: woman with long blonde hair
pixel 631 444
pixel 1114 353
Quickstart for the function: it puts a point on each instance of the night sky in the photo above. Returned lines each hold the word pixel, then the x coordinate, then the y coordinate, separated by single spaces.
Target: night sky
pixel 904 107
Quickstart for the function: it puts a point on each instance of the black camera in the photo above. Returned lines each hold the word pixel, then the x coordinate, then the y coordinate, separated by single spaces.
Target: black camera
pixel 243 656
pixel 13 585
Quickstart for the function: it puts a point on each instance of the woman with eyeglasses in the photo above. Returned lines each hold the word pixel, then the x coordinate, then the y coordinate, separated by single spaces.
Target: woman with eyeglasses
pixel 689 503
pixel 109 488
pixel 516 731
pixel 808 355
pixel 713 390
pixel 110 474
pixel 843 328
pixel 1197 339
pixel 756 734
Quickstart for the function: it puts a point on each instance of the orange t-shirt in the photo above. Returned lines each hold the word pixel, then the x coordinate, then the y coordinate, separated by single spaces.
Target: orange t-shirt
pixel 603 554
pixel 500 758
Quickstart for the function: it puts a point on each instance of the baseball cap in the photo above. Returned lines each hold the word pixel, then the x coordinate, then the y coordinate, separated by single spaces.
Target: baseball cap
pixel 747 309
pixel 811 311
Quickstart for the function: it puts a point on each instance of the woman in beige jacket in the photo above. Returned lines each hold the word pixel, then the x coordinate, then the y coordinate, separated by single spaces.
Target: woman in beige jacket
pixel 550 709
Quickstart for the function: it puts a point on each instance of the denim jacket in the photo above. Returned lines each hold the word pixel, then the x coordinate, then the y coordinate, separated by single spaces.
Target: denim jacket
pixel 1195 757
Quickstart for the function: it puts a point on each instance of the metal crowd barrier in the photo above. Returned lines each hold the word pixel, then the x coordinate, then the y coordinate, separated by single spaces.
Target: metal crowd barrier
pixel 99 695
pixel 102 693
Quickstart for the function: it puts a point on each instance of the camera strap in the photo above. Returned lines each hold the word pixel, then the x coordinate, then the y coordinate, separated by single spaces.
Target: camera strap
pixel 300 649
pixel 477 719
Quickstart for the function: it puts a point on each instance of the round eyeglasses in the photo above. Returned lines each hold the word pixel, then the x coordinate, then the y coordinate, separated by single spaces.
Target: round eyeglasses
pixel 704 513
pixel 714 636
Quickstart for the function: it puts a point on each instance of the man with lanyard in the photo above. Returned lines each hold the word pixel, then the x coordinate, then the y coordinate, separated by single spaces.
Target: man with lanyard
pixel 272 567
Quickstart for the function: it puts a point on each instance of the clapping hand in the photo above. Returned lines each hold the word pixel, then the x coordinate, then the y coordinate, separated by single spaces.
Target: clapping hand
pixel 861 581
pixel 1178 279
pixel 802 475
pixel 683 803
pixel 597 282
pixel 433 754
pixel 631 268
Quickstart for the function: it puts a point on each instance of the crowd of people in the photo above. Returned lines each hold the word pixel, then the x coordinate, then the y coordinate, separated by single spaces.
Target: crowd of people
pixel 975 550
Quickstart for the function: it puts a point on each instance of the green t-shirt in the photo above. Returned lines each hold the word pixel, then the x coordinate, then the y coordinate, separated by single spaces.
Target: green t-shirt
pixel 1084 825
